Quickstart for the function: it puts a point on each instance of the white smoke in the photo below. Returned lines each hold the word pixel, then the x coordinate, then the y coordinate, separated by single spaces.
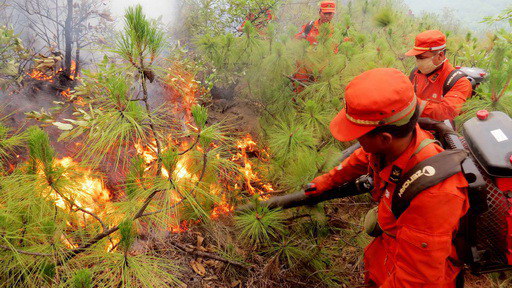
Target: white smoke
pixel 166 9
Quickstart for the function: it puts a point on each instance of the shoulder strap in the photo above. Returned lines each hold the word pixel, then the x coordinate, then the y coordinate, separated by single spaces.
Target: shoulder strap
pixel 424 144
pixel 411 77
pixel 424 175
pixel 452 78
pixel 308 28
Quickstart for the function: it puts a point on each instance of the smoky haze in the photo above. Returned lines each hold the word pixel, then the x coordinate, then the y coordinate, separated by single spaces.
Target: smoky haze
pixel 153 8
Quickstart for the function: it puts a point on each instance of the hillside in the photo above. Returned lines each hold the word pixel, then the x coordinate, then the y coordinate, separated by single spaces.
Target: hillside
pixel 468 12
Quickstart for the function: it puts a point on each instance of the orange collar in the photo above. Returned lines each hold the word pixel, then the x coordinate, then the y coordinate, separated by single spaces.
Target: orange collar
pixel 392 172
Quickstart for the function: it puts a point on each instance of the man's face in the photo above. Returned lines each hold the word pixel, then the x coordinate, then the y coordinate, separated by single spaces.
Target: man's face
pixel 375 143
pixel 326 17
pixel 437 57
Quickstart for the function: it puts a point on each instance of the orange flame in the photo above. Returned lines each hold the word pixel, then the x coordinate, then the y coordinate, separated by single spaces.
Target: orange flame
pixel 49 76
pixel 89 192
pixel 183 89
pixel 245 145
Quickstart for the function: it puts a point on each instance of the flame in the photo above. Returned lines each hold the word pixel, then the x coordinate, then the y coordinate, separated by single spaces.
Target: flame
pixel 39 75
pixel 147 154
pixel 112 244
pixel 49 76
pixel 67 242
pixel 223 208
pixel 183 89
pixel 245 145
pixel 183 92
pixel 89 191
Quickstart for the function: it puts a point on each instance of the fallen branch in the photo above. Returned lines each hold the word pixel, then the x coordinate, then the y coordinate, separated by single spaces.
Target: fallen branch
pixel 210 255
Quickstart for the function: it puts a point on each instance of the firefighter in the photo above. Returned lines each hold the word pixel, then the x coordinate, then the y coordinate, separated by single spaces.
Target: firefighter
pixel 260 20
pixel 433 69
pixel 416 250
pixel 311 30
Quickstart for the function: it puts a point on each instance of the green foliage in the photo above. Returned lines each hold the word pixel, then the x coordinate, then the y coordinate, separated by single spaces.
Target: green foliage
pixel 260 226
pixel 113 122
pixel 170 159
pixel 127 234
pixel 12 54
pixel 114 270
pixel 288 251
pixel 200 115
pixel 496 93
pixel 9 142
pixel 41 152
pixel 203 17
pixel 384 18
pixel 141 38
pixel 82 279
pixel 290 139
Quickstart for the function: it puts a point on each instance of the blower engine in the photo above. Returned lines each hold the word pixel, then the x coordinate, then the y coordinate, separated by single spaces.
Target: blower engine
pixel 488 227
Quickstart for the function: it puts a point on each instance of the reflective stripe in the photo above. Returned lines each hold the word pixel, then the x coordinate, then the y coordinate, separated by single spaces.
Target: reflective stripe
pixel 430 48
pixel 423 104
pixel 409 109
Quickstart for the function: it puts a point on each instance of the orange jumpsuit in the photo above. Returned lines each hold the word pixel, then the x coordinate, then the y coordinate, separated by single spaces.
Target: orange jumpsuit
pixel 430 88
pixel 416 250
pixel 311 37
pixel 303 74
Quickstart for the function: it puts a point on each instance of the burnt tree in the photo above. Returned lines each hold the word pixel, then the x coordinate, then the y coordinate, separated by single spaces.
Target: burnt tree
pixel 68 25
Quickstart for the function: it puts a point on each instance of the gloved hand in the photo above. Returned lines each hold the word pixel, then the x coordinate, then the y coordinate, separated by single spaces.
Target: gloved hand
pixel 311 189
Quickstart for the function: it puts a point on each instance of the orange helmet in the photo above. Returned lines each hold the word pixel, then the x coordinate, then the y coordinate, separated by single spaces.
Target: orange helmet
pixel 375 98
pixel 328 6
pixel 430 40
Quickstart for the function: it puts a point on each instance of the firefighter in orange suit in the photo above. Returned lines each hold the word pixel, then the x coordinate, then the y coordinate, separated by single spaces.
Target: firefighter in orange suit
pixel 416 250
pixel 310 32
pixel 428 80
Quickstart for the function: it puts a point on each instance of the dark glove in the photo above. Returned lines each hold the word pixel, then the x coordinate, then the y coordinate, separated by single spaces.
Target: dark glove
pixel 311 189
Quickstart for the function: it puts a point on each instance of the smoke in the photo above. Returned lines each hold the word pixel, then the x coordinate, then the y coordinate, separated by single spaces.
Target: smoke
pixel 166 9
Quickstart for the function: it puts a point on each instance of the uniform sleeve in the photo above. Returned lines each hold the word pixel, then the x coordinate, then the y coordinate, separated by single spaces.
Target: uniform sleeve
pixel 425 234
pixel 353 167
pixel 452 102
pixel 300 35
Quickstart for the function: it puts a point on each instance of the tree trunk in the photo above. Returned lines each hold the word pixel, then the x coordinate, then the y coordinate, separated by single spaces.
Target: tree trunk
pixel 77 61
pixel 68 34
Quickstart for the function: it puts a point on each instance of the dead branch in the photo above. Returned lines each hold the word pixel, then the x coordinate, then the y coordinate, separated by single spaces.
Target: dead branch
pixel 209 255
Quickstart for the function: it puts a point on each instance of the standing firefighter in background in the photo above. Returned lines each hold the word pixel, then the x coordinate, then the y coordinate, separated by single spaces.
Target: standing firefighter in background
pixel 415 250
pixel 260 20
pixel 432 75
pixel 310 32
